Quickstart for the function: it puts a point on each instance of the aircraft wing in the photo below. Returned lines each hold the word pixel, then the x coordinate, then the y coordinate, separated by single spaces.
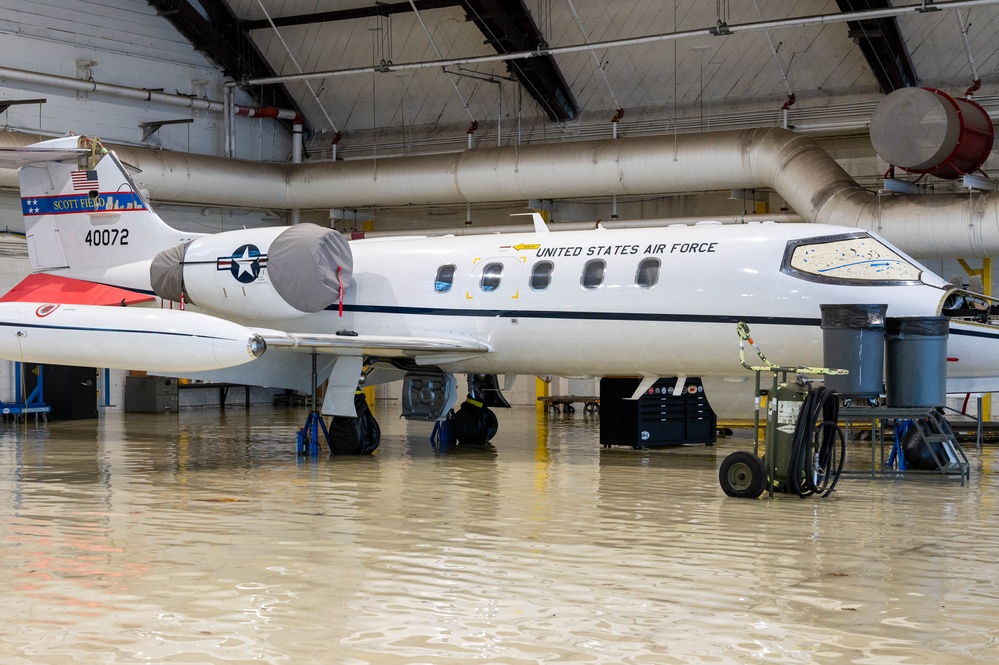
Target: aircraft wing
pixel 287 362
pixel 425 349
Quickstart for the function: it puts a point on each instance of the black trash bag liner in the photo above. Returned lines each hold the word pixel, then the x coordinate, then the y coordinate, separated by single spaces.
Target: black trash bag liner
pixel 921 454
pixel 920 326
pixel 473 423
pixel 854 317
pixel 355 436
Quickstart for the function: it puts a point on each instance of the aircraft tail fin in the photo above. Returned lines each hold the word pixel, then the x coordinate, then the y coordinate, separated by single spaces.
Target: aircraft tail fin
pixel 84 215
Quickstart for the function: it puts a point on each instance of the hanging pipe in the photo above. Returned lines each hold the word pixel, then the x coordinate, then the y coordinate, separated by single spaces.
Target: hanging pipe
pixel 336 141
pixel 616 119
pixel 296 158
pixel 977 82
pixel 137 94
pixel 471 130
pixel 794 165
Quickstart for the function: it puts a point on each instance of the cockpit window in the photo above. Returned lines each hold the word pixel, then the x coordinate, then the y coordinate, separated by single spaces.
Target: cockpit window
pixel 491 276
pixel 854 258
pixel 445 277
pixel 593 274
pixel 647 274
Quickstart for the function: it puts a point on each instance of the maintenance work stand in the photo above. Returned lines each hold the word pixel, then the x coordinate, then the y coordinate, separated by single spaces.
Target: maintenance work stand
pixel 33 404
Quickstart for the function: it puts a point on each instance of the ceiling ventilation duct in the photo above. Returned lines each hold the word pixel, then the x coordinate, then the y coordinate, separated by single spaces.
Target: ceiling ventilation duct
pixel 795 166
pixel 924 130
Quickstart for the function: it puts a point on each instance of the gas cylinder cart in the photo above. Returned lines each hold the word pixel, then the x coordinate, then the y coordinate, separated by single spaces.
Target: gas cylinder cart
pixel 801 452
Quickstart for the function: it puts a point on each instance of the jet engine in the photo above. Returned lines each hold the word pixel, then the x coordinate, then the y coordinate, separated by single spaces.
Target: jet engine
pixel 266 273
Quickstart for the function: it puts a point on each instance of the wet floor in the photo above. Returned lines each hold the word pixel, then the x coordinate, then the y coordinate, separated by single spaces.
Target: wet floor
pixel 203 538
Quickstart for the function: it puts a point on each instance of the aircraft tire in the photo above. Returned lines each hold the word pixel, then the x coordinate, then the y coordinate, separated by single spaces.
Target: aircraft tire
pixel 355 436
pixel 742 475
pixel 473 424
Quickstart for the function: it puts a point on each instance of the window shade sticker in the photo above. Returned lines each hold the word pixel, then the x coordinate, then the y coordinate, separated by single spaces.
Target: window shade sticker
pixel 647 274
pixel 541 275
pixel 850 258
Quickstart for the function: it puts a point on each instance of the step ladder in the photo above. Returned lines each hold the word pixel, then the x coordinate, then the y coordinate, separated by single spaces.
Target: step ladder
pixel 938 437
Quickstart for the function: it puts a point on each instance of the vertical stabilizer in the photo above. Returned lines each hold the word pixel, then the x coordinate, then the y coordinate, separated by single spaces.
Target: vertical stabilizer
pixel 83 214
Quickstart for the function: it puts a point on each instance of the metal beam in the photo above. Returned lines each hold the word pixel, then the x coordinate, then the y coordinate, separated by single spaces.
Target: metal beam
pixel 220 39
pixel 757 26
pixel 509 27
pixel 378 9
pixel 882 44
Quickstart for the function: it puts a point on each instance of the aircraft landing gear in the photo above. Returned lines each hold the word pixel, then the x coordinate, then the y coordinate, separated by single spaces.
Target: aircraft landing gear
pixel 355 436
pixel 473 423
pixel 345 436
pixel 308 436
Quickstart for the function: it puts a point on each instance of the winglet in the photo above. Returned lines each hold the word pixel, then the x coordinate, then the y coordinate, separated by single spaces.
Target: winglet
pixel 539 221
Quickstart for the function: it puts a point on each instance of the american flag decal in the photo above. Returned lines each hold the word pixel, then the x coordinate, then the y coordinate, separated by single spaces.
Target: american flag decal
pixel 85 180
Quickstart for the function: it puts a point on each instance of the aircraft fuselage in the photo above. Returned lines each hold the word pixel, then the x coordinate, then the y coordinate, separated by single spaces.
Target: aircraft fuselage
pixel 538 301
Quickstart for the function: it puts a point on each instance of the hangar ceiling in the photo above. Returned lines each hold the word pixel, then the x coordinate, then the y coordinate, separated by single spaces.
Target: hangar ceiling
pixel 724 65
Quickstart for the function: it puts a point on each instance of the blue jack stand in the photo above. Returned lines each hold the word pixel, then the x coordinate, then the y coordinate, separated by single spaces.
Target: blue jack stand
pixel 441 438
pixel 308 436
pixel 896 460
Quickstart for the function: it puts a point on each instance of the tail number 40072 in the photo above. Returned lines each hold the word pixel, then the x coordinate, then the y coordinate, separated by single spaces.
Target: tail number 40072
pixel 103 237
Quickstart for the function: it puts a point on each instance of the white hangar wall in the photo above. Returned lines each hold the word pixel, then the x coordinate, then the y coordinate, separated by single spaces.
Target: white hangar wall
pixel 123 43
pixel 119 42
pixel 129 45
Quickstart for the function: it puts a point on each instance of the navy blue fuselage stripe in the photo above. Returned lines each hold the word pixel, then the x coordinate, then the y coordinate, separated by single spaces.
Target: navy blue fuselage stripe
pixel 109 330
pixel 659 317
pixel 583 316
pixel 975 333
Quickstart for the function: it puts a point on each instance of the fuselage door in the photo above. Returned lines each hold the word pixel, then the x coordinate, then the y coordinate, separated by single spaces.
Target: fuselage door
pixel 496 277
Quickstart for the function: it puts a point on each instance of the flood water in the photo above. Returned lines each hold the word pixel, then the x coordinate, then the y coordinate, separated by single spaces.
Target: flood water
pixel 203 538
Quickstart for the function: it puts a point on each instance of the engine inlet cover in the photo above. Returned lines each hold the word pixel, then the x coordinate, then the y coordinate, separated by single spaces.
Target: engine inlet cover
pixel 264 273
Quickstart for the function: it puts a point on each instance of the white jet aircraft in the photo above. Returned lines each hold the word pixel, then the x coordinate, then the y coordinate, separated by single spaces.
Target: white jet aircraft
pixel 271 302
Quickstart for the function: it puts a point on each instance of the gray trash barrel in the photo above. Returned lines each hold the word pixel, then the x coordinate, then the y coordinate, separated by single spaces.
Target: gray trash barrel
pixel 916 360
pixel 853 338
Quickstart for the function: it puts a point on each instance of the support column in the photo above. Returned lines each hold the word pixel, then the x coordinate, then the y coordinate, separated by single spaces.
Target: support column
pixel 985 272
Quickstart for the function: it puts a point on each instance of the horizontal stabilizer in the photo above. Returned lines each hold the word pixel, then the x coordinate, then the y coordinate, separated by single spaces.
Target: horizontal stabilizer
pixel 15 158
pixel 43 287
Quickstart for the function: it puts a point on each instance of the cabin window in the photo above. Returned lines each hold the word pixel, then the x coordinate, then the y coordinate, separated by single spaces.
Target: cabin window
pixel 647 275
pixel 593 274
pixel 445 278
pixel 541 275
pixel 853 258
pixel 491 276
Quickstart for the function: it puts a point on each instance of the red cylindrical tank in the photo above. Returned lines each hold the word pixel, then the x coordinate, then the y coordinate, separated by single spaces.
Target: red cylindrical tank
pixel 925 130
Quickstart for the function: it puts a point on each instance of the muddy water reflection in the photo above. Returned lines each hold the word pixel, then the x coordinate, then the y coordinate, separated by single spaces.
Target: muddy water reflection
pixel 201 538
